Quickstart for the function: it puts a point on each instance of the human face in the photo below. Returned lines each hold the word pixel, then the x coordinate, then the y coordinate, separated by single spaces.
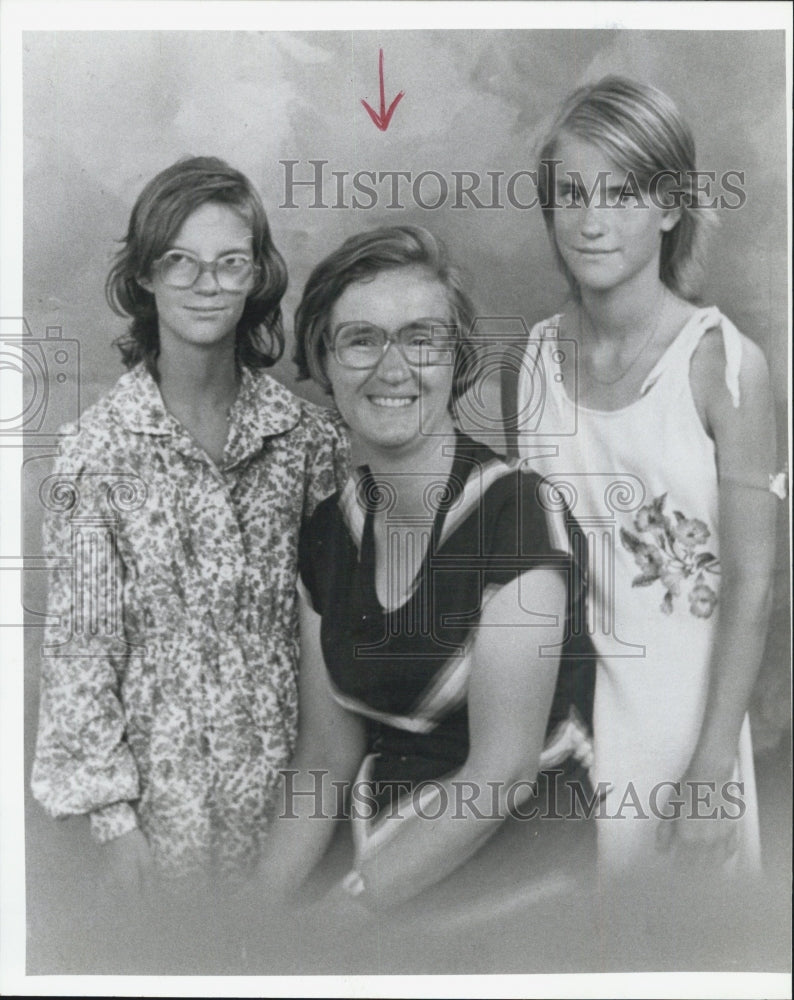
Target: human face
pixel 615 239
pixel 393 405
pixel 204 315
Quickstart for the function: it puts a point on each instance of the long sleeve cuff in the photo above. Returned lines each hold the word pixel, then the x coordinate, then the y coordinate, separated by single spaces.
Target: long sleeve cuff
pixel 112 821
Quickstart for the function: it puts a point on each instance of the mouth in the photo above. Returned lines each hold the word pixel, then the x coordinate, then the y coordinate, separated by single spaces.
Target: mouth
pixel 592 252
pixel 206 310
pixel 392 402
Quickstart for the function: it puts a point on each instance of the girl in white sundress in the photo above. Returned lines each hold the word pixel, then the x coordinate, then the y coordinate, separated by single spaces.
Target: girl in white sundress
pixel 657 426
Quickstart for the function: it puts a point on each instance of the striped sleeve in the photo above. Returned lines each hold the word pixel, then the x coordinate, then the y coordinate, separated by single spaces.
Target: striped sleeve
pixel 525 529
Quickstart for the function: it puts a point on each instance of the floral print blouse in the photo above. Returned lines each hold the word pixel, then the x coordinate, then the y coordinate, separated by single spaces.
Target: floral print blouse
pixel 168 697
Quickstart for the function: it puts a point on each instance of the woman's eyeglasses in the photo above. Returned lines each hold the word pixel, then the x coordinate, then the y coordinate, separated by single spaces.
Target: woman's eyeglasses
pixel 425 342
pixel 180 269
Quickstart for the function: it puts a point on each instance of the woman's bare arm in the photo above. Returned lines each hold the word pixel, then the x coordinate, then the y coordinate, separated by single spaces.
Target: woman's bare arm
pixel 511 689
pixel 746 455
pixel 330 744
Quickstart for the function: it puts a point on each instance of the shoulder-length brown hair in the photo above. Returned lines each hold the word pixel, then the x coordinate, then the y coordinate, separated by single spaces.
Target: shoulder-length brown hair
pixel 159 213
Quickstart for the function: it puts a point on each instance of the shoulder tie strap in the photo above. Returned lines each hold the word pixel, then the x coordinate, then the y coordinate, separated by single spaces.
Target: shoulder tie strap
pixel 683 347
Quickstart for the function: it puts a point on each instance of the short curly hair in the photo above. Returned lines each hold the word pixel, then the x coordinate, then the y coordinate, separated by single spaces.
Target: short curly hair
pixel 364 256
pixel 158 215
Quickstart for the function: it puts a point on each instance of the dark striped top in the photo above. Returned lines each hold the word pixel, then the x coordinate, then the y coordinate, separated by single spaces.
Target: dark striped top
pixel 406 671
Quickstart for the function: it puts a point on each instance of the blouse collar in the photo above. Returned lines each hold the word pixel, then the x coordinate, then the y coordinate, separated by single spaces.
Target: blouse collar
pixel 263 409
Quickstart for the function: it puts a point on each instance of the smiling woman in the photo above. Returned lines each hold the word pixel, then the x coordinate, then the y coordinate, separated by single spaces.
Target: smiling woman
pixel 392 402
pixel 438 592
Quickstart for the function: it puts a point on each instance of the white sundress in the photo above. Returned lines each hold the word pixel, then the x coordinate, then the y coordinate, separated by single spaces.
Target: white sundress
pixel 642 483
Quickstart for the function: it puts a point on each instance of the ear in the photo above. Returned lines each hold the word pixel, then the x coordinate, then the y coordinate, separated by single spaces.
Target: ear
pixel 670 219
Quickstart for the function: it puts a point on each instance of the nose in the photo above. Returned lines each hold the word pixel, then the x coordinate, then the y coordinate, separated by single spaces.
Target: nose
pixel 207 281
pixel 393 367
pixel 592 220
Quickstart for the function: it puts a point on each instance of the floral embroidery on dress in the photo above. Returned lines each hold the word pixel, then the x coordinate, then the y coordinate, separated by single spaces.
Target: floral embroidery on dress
pixel 668 552
pixel 179 721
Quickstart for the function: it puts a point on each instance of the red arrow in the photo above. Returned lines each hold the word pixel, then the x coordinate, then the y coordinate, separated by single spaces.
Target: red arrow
pixel 382 120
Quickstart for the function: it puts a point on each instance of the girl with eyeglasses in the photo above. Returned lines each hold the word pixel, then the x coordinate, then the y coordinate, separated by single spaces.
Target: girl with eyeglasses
pixel 169 697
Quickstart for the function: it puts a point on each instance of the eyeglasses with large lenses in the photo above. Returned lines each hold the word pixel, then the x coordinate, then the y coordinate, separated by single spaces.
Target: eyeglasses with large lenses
pixel 426 342
pixel 180 269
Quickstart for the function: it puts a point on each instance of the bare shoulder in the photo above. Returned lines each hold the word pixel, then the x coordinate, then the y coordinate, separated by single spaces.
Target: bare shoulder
pixel 709 356
pixel 708 374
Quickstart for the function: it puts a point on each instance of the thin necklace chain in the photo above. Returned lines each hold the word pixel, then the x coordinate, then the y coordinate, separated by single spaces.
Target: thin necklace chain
pixel 646 343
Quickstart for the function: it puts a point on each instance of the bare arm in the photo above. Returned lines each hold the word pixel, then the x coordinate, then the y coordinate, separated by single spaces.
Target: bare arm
pixel 331 742
pixel 745 444
pixel 510 694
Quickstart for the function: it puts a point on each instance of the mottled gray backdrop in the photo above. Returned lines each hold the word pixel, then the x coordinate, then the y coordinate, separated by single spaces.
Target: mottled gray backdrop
pixel 104 111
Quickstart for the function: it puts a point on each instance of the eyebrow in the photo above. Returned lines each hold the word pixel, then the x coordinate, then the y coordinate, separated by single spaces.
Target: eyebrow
pixel 432 320
pixel 234 249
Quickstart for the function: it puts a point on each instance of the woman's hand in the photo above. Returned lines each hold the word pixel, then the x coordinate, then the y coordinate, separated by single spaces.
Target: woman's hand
pixel 744 436
pixel 704 833
pixel 330 746
pixel 511 687
pixel 128 864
